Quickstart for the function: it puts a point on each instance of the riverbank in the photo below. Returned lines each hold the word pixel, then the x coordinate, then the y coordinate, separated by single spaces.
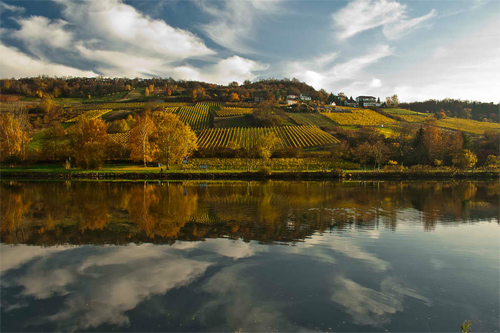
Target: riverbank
pixel 240 175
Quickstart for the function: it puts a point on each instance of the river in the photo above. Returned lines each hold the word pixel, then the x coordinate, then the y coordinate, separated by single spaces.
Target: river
pixel 249 256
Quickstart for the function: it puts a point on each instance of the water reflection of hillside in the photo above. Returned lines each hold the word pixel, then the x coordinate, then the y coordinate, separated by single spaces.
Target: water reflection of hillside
pixel 122 212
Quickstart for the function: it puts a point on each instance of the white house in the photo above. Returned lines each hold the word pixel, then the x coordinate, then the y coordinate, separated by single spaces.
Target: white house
pixel 291 97
pixel 291 101
pixel 304 98
pixel 367 101
pixel 350 102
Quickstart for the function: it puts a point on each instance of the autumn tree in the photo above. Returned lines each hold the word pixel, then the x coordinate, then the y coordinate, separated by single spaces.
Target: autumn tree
pixel 174 139
pixel 362 153
pixel 234 97
pixel 465 160
pixel 53 145
pixel 266 145
pixel 380 153
pixel 13 139
pixel 88 139
pixel 142 147
pixel 392 100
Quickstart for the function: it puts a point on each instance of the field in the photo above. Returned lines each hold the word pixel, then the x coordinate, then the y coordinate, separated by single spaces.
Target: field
pixel 198 116
pixel 238 121
pixel 290 136
pixel 92 114
pixel 133 105
pixel 467 125
pixel 313 119
pixel 232 111
pixel 214 104
pixel 410 118
pixel 398 111
pixel 359 117
pixel 119 138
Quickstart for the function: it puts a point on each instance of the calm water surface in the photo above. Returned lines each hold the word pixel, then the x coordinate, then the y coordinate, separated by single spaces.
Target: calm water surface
pixel 249 256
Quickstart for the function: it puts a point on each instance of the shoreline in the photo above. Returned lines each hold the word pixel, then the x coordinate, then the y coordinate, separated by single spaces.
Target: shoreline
pixel 296 175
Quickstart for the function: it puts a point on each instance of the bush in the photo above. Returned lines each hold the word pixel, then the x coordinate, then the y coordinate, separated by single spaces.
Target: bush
pixel 265 170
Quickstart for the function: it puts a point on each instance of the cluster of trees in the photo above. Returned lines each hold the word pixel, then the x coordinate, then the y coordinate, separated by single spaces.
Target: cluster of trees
pixel 457 108
pixel 159 137
pixel 429 145
pixel 66 86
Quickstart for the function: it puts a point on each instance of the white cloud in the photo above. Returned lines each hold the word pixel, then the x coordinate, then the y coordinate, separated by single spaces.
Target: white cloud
pixel 403 27
pixel 233 69
pixel 14 63
pixel 326 75
pixel 234 25
pixel 39 30
pixel 11 8
pixel 100 289
pixel 376 83
pixel 369 306
pixel 120 27
pixel 361 15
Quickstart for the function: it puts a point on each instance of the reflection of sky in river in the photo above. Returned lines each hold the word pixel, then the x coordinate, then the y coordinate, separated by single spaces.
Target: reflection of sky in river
pixel 354 280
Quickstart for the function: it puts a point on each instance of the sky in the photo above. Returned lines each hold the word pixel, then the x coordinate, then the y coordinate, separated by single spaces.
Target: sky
pixel 416 49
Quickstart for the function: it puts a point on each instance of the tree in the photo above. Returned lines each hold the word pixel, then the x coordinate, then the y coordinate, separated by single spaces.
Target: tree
pixel 362 153
pixel 47 105
pixel 266 145
pixel 88 139
pixel 465 160
pixel 13 138
pixel 146 92
pixel 174 139
pixel 380 152
pixel 53 142
pixel 234 97
pixel 141 146
pixel 432 140
pixel 392 100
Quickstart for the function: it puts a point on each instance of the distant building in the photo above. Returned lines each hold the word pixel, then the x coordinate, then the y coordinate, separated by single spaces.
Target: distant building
pixel 367 101
pixel 350 102
pixel 341 95
pixel 333 104
pixel 291 97
pixel 291 101
pixel 304 98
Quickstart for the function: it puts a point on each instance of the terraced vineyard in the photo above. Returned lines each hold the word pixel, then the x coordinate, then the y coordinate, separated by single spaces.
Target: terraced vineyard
pixel 290 136
pixel 232 112
pixel 132 105
pixel 359 117
pixel 92 114
pixel 467 125
pixel 198 116
pixel 120 138
pixel 416 118
pixel 314 119
pixel 171 109
pixel 214 104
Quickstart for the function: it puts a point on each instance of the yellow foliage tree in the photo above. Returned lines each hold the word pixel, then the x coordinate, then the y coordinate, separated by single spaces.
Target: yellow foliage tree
pixel 141 146
pixel 174 139
pixel 13 139
pixel 88 140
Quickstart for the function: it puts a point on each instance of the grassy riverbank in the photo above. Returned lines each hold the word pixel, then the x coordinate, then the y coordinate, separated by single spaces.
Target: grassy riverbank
pixel 138 172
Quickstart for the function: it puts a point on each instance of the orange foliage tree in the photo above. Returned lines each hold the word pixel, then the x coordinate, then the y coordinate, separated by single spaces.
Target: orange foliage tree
pixel 88 140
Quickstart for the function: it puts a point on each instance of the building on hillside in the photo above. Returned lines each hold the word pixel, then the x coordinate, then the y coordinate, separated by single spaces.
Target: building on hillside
pixel 291 97
pixel 333 104
pixel 350 102
pixel 304 98
pixel 367 101
pixel 291 101
pixel 341 95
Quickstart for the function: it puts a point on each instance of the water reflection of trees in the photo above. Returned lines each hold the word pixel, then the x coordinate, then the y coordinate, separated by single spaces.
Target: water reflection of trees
pixel 121 212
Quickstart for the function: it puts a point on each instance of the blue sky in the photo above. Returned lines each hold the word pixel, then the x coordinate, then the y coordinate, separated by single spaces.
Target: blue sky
pixel 416 49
